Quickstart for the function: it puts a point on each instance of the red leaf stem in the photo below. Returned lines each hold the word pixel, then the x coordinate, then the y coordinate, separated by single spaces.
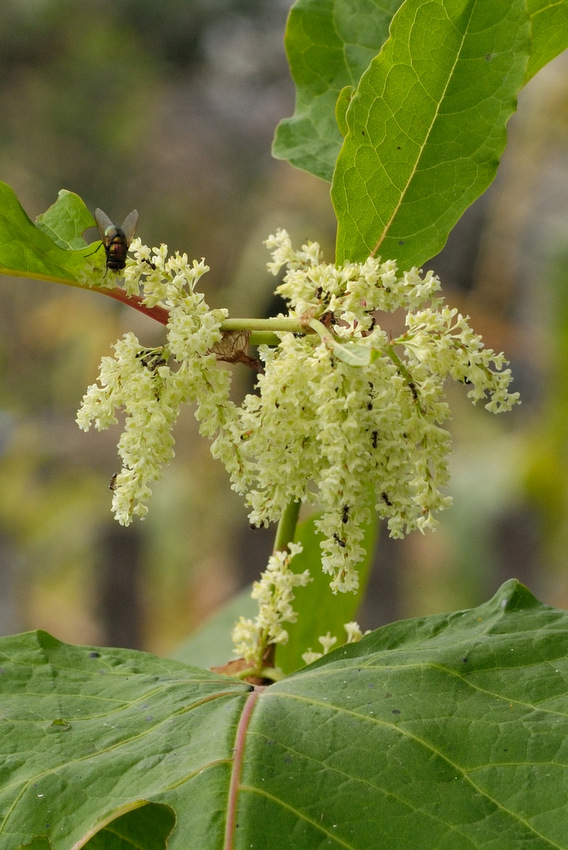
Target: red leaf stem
pixel 160 314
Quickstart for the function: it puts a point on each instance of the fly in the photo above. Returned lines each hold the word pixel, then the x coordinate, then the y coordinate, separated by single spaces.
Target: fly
pixel 116 240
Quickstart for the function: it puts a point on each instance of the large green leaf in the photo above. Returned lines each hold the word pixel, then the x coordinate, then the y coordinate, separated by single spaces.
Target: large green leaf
pixel 329 44
pixel 53 248
pixel 441 733
pixel 88 734
pixel 427 126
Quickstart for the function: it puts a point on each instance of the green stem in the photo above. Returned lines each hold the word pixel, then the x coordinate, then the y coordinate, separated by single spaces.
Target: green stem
pixel 398 362
pixel 273 324
pixel 263 338
pixel 287 526
pixel 318 327
pixel 261 673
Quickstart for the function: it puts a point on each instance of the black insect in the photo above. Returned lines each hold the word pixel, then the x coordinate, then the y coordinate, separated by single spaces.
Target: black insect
pixel 413 390
pixel 151 358
pixel 116 240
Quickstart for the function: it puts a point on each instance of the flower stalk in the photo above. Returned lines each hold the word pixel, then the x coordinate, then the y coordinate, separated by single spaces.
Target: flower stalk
pixel 287 523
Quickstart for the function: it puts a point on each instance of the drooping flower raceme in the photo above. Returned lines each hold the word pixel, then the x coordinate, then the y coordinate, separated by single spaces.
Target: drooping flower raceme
pixel 342 416
pixel 274 593
pixel 151 384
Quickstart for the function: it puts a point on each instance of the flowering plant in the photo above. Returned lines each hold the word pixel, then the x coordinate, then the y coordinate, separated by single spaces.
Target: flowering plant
pixel 451 727
pixel 343 415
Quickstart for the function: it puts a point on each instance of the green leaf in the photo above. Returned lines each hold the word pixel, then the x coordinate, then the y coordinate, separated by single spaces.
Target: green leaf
pixel 329 44
pixel 549 22
pixel 448 730
pixel 319 610
pixel 427 126
pixel 37 251
pixel 142 730
pixel 353 353
pixel 66 220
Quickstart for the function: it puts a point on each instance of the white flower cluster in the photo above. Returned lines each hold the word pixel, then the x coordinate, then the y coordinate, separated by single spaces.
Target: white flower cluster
pixel 150 385
pixel 352 291
pixel 356 438
pixel 342 416
pixel 275 594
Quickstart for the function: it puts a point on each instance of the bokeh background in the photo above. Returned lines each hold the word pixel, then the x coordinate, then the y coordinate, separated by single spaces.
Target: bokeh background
pixel 170 108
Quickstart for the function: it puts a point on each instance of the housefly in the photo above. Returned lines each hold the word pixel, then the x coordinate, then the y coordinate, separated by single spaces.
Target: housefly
pixel 116 240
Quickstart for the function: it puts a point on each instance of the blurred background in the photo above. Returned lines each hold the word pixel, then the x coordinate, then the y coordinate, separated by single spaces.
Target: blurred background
pixel 170 109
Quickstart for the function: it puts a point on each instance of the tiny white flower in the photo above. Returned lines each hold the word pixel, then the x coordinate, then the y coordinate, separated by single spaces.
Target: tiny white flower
pixel 327 641
pixel 309 656
pixel 353 630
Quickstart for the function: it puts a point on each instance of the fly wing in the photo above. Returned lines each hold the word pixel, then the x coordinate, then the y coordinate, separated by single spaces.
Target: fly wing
pixel 129 226
pixel 103 223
